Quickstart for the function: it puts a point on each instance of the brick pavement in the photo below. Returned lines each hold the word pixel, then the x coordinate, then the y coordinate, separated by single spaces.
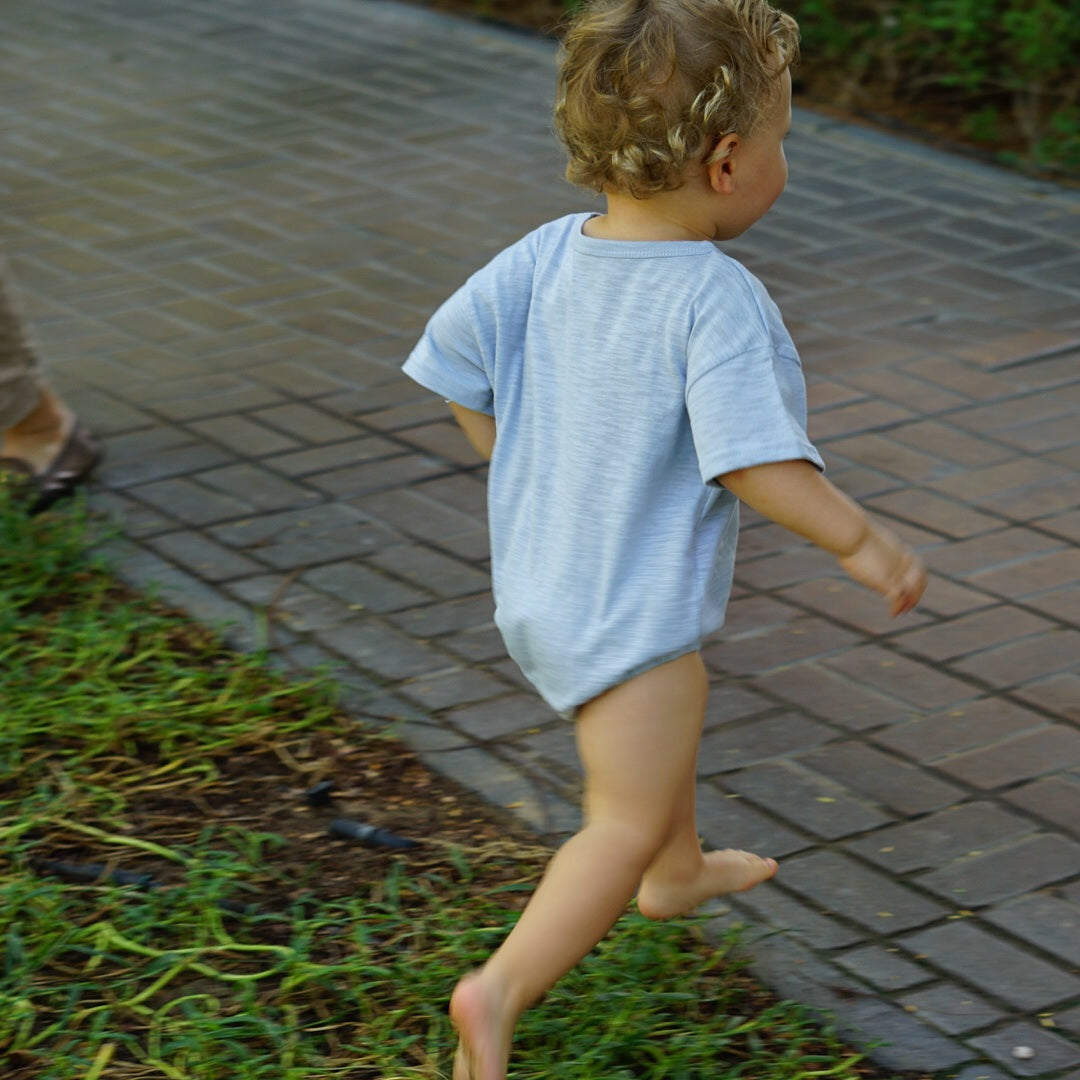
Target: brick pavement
pixel 231 218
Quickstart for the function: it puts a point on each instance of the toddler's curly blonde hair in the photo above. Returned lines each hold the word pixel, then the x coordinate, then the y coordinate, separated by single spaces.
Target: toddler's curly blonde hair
pixel 648 86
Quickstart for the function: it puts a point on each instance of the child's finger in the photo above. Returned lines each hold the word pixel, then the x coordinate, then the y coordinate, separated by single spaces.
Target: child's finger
pixel 909 588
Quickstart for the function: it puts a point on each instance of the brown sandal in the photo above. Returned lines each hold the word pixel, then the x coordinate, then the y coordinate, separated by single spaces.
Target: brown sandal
pixel 69 468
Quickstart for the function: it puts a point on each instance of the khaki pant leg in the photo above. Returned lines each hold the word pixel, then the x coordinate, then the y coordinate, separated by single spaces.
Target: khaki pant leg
pixel 21 379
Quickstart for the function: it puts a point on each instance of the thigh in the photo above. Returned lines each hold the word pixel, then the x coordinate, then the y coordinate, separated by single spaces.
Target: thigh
pixel 638 742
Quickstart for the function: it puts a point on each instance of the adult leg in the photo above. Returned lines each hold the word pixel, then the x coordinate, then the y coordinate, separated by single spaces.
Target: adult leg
pixel 21 382
pixel 638 746
pixel 41 439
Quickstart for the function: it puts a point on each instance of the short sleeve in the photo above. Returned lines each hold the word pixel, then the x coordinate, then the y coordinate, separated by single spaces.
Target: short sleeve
pixel 745 391
pixel 449 358
pixel 748 410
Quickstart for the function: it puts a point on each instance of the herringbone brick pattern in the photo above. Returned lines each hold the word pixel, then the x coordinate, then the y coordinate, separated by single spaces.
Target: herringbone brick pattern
pixel 231 219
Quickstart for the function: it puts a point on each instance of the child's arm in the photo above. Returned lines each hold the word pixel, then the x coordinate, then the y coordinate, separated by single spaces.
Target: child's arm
pixel 479 429
pixel 794 494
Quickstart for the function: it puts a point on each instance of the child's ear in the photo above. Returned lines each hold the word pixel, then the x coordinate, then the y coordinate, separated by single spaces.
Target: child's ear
pixel 720 164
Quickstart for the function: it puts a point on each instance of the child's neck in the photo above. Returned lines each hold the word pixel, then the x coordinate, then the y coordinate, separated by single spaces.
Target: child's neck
pixel 661 217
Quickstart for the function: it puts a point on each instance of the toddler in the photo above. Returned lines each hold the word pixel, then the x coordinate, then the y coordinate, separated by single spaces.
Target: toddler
pixel 630 385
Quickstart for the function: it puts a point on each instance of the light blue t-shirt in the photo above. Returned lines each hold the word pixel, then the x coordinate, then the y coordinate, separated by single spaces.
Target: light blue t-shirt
pixel 623 377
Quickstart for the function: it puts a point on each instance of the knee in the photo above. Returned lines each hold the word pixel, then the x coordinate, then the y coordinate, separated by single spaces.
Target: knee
pixel 638 841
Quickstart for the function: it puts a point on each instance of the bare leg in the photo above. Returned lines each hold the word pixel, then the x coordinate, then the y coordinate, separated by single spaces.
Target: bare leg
pixel 682 876
pixel 638 744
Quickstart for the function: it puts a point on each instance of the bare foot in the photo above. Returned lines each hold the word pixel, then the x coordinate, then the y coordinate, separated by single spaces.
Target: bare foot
pixel 721 872
pixel 484 1030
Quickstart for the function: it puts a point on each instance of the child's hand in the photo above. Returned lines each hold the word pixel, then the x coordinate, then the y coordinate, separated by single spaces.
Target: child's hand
pixel 884 563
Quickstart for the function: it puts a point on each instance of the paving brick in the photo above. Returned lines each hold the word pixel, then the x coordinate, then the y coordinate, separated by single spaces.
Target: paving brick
pixel 1027 660
pixel 1044 920
pixel 505 716
pixel 851 604
pixel 951 1009
pixel 266 491
pixel 1059 695
pixel 841 885
pixel 1054 799
pixel 728 702
pixel 353 481
pixel 946 371
pixel 465 492
pixel 327 458
pixel 444 439
pixel 972 634
pixel 832 697
pixel 1051 1052
pixel 179 461
pixel 1066 525
pixel 503 785
pixel 734 746
pixel 884 969
pixel 912 393
pixel 448 616
pixel 939 838
pixel 1009 547
pixel 1068 1021
pixel 881 453
pixel 380 649
pixel 981 1072
pixel 778 647
pixel 237 396
pixel 748 616
pixel 784 569
pixel 136 521
pixel 915 683
pixel 1034 575
pixel 1047 750
pixel 482 646
pixel 363 588
pixel 190 502
pixel 458 686
pixel 964 727
pixel 303 609
pixel 202 556
pixel 306 423
pixel 556 745
pixel 828 393
pixel 993 966
pixel 881 777
pixel 858 417
pixel 805 800
pixel 419 515
pixel 440 574
pixel 1062 604
pixel 243 436
pixel 983 878
pixel 725 820
pixel 409 415
pixel 928 510
pixel 952 444
pixel 767 905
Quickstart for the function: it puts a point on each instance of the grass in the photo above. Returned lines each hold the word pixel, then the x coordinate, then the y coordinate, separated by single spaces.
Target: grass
pixel 247 945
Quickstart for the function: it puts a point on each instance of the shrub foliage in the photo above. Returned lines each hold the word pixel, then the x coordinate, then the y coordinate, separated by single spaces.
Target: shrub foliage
pixel 1005 71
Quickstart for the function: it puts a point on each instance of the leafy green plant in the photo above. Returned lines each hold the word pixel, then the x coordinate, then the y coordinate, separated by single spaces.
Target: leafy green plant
pixel 1005 69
